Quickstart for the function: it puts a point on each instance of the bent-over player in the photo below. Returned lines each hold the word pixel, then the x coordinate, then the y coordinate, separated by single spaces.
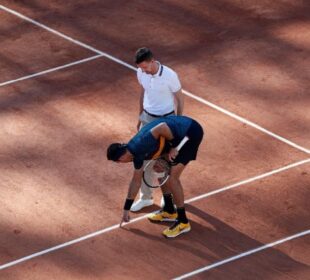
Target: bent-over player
pixel 142 147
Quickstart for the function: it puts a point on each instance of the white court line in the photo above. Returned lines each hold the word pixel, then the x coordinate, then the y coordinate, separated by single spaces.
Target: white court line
pixel 243 120
pixel 250 180
pixel 50 70
pixel 242 255
pixel 108 229
pixel 185 92
pixel 77 42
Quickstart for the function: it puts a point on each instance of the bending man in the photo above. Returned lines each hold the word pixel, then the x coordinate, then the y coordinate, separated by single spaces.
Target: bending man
pixel 142 147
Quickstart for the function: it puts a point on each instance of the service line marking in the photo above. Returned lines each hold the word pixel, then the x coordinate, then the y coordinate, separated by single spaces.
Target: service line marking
pixel 50 70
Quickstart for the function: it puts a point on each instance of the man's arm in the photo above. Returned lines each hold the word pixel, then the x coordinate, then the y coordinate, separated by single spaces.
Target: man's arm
pixel 140 107
pixel 179 102
pixel 133 189
pixel 163 130
pixel 135 183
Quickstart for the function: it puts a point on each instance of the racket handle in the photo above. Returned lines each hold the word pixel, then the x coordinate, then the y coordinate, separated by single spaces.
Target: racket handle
pixel 184 140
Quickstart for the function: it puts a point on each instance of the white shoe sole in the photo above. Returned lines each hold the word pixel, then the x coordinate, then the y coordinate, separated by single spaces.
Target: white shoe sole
pixel 183 231
pixel 163 220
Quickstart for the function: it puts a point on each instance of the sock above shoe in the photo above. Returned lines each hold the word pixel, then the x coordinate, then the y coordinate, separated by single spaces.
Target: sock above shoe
pixel 182 215
pixel 168 206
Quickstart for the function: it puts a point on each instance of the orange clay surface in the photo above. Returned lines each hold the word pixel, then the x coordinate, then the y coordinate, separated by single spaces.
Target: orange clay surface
pixel 249 57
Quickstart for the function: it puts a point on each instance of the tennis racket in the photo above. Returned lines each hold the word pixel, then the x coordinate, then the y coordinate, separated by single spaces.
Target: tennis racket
pixel 157 171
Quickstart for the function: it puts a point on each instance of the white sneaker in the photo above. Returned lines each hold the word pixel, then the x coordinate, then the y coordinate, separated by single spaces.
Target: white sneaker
pixel 141 203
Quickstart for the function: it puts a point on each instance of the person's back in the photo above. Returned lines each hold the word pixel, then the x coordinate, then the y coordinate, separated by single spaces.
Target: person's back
pixel 178 125
pixel 144 141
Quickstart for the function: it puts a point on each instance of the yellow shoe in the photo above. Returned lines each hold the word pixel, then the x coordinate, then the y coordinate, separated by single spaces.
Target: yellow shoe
pixel 177 229
pixel 162 216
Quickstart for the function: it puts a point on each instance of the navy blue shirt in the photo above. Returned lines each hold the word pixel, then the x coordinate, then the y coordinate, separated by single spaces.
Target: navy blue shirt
pixel 143 145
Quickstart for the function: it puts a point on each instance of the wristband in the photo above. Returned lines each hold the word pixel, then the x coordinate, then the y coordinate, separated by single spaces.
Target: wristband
pixel 128 204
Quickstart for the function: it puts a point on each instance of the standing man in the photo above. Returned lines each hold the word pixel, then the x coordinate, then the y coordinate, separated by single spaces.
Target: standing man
pixel 160 96
pixel 143 146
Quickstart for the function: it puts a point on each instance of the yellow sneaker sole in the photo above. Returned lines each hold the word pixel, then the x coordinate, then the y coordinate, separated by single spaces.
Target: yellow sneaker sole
pixel 164 219
pixel 179 233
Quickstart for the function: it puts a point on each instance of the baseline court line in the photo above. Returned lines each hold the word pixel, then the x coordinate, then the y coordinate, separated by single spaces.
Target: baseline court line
pixel 108 229
pixel 50 70
pixel 242 255
pixel 241 119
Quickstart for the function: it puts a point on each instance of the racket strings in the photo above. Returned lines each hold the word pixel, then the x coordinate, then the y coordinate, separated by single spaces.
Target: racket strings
pixel 156 173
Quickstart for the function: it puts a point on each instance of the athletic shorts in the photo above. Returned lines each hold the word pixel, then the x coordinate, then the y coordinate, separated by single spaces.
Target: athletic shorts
pixel 190 149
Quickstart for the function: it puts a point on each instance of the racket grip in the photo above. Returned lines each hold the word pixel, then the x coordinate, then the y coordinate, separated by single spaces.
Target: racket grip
pixel 184 140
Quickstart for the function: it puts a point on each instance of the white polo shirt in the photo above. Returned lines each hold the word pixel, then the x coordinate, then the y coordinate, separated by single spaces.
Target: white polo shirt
pixel 159 90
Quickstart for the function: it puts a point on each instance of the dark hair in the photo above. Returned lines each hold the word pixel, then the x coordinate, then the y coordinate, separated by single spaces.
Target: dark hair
pixel 143 54
pixel 115 151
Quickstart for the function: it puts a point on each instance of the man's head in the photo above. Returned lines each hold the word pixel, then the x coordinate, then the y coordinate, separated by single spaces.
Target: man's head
pixel 118 152
pixel 145 61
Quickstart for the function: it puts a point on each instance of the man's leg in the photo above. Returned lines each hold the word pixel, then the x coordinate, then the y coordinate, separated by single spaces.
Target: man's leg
pixel 172 193
pixel 145 199
pixel 174 185
pixel 146 192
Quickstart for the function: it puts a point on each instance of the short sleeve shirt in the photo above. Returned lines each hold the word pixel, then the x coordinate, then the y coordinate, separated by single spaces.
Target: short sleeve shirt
pixel 143 145
pixel 159 90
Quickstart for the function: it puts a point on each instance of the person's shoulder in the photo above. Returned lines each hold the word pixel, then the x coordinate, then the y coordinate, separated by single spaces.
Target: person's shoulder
pixel 168 71
pixel 170 74
pixel 172 77
pixel 139 72
pixel 140 75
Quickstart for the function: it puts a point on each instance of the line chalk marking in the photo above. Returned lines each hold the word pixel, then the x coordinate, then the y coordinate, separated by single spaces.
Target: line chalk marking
pixel 108 229
pixel 216 107
pixel 50 70
pixel 242 255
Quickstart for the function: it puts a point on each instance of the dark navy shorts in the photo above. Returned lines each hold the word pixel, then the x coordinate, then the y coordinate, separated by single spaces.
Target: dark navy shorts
pixel 190 149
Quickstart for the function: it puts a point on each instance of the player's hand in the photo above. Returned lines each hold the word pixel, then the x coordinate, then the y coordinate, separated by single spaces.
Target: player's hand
pixel 138 125
pixel 125 217
pixel 173 153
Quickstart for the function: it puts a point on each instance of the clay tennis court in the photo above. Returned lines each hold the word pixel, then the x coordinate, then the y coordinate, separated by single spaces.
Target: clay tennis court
pixel 68 89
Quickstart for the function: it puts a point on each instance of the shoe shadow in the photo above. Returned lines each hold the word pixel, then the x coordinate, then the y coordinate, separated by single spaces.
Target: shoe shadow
pixel 216 240
pixel 147 209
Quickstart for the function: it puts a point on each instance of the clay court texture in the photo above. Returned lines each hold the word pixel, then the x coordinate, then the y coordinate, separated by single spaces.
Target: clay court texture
pixel 68 89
